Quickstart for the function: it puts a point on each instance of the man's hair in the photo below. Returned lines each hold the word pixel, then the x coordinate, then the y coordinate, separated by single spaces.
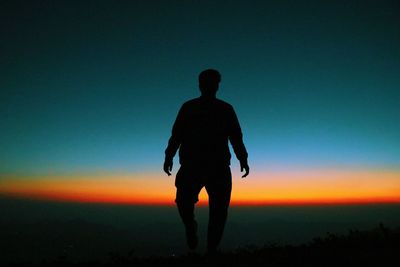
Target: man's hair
pixel 209 76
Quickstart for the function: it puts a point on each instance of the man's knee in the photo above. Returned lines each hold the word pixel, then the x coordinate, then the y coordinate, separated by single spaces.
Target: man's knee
pixel 184 196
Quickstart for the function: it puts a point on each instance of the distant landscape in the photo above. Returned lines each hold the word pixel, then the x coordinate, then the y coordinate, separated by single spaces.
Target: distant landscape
pixel 35 231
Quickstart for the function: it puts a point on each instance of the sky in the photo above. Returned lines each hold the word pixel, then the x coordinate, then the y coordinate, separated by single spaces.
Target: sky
pixel 89 91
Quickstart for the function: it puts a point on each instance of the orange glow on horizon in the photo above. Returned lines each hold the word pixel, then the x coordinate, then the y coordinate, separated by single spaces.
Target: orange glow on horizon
pixel 272 188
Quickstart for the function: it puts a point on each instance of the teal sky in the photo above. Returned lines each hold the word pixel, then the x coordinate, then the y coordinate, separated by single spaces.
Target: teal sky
pixel 96 85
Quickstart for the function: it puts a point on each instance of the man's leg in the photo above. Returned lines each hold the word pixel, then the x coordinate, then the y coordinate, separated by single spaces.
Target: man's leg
pixel 219 188
pixel 186 197
pixel 186 211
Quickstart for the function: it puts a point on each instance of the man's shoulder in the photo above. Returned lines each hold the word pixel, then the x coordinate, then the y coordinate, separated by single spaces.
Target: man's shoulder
pixel 189 105
pixel 199 100
pixel 191 102
pixel 223 103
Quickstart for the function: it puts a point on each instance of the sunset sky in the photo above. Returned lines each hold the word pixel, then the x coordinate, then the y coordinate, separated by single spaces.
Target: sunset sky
pixel 89 91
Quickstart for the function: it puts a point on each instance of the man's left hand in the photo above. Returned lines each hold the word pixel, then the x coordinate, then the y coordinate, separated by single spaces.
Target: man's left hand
pixel 245 166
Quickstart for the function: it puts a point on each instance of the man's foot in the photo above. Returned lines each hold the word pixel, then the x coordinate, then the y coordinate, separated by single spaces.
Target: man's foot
pixel 191 235
pixel 213 255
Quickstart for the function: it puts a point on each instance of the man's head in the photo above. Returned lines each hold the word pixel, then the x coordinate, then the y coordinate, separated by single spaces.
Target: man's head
pixel 209 82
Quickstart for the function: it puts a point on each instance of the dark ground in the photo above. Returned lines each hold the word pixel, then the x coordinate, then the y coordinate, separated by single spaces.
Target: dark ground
pixel 376 247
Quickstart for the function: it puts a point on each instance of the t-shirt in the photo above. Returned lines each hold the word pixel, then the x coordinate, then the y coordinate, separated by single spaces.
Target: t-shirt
pixel 202 130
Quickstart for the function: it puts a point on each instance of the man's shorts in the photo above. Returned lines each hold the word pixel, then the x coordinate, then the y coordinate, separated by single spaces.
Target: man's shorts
pixel 190 180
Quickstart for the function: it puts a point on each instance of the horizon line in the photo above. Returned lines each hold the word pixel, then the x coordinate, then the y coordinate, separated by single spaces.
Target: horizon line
pixel 204 203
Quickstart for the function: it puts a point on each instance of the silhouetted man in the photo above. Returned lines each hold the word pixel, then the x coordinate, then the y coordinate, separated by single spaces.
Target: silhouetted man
pixel 201 132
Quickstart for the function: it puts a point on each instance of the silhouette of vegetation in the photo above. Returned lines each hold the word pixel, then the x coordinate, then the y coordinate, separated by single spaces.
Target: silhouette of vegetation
pixel 375 247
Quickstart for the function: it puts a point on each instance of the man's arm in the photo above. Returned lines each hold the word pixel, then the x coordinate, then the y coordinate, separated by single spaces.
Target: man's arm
pixel 174 142
pixel 236 139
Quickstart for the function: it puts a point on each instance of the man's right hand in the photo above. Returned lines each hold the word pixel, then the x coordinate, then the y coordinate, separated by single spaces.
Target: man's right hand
pixel 168 166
